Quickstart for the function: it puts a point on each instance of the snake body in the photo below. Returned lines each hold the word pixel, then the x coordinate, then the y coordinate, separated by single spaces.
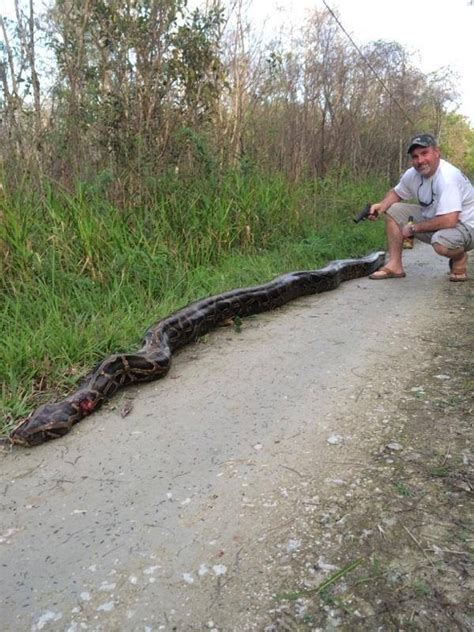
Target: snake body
pixel 162 339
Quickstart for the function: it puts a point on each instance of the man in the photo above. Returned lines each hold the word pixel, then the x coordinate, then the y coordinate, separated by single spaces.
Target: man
pixel 443 217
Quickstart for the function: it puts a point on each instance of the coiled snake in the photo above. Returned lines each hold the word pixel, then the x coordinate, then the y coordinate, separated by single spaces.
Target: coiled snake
pixel 162 339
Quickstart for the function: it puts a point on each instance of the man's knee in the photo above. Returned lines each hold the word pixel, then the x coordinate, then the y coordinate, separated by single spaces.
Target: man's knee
pixel 441 250
pixel 446 252
pixel 451 242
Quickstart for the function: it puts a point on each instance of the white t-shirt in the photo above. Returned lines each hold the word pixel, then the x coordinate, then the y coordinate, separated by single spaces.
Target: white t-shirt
pixel 447 191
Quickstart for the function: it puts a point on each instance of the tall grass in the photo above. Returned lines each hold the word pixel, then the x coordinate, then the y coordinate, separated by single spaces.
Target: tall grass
pixel 81 278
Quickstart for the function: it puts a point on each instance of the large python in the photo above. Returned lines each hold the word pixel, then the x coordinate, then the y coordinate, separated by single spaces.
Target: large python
pixel 162 339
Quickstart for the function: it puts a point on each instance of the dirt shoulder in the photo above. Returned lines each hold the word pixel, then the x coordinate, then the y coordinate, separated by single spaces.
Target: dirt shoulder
pixel 399 531
pixel 309 472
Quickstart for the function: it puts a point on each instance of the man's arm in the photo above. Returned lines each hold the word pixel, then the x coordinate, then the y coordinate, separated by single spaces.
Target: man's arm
pixel 448 220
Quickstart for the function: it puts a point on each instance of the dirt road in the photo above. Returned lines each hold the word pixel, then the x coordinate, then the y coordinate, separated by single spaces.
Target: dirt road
pixel 258 467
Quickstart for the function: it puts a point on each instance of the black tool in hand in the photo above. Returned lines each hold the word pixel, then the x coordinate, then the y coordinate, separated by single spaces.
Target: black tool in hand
pixel 364 214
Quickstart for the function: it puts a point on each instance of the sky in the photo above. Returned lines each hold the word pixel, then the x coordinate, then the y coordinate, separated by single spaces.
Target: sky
pixel 436 33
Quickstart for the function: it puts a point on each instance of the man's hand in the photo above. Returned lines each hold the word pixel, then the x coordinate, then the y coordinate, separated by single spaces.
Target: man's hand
pixel 407 230
pixel 375 210
pixel 382 207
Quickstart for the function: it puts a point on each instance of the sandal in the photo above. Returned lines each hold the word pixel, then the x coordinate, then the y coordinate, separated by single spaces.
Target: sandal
pixel 458 276
pixel 386 273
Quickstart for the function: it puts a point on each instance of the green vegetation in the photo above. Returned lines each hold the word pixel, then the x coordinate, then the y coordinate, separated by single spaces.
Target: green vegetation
pixel 81 278
pixel 402 489
pixel 322 589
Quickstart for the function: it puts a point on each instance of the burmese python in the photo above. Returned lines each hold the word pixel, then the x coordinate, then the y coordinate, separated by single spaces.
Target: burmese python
pixel 153 359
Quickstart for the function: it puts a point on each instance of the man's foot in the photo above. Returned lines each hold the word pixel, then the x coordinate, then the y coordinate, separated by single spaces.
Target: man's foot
pixel 386 273
pixel 458 269
pixel 454 276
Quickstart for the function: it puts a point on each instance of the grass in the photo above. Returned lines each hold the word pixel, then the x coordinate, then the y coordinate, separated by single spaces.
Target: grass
pixel 441 471
pixel 402 489
pixel 324 586
pixel 81 278
pixel 421 588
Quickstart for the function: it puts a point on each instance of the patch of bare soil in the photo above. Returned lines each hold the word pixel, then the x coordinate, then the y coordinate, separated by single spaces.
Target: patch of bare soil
pixel 398 538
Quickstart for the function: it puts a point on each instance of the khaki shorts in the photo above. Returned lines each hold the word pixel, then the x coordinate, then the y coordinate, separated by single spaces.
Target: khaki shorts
pixel 451 238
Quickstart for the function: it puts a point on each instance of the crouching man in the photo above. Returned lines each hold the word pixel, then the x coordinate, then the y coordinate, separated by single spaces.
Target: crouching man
pixel 443 217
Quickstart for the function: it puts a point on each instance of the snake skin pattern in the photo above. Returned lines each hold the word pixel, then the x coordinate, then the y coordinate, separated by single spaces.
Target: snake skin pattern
pixel 162 339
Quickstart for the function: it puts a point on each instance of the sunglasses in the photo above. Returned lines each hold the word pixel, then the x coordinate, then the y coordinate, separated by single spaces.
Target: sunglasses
pixel 425 204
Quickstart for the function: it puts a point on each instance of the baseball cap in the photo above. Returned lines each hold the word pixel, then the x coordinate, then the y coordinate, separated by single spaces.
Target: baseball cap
pixel 422 140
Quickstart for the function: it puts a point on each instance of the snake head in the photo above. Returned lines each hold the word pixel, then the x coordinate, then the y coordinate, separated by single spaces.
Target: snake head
pixel 49 421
